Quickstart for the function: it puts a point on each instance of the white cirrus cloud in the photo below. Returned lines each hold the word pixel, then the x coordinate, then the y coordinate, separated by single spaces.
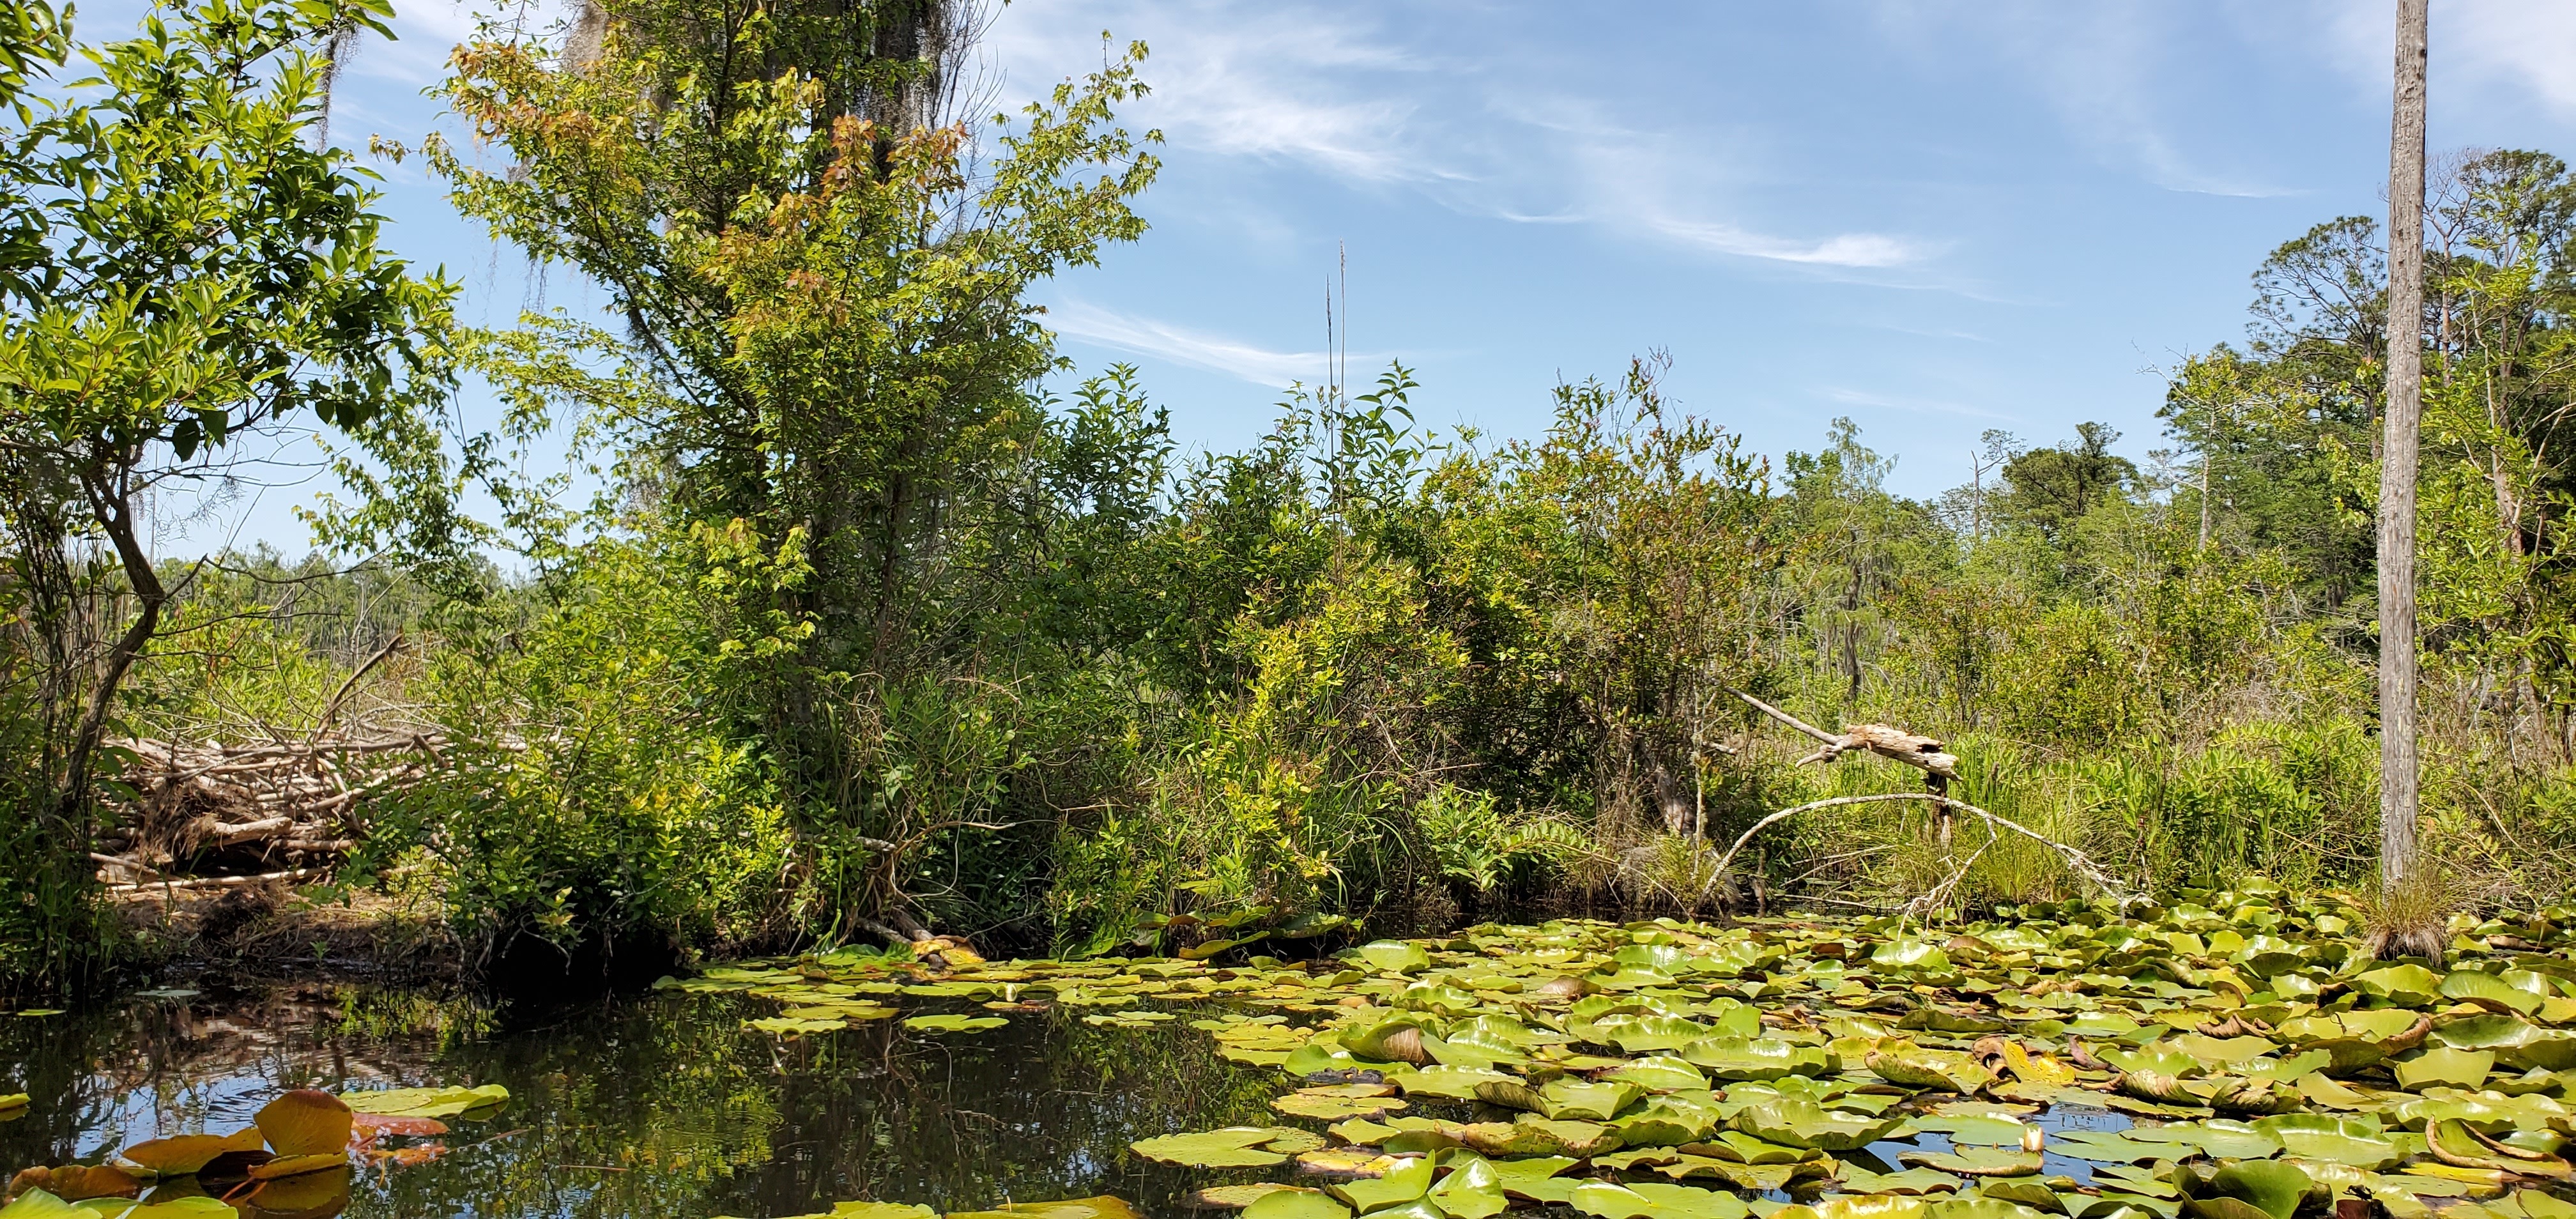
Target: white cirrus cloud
pixel 1337 92
pixel 1077 319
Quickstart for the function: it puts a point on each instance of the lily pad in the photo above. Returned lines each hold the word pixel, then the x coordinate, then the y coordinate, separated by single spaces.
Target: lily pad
pixel 1292 1203
pixel 305 1122
pixel 1646 1200
pixel 2315 1136
pixel 1395 956
pixel 1232 1147
pixel 1472 1190
pixel 1331 1106
pixel 1754 1058
pixel 1599 1102
pixel 1103 1207
pixel 951 1023
pixel 426 1102
pixel 1802 1123
pixel 1977 1161
pixel 2401 985
pixel 2258 1189
pixel 1661 1073
pixel 1402 1182
pixel 2442 1066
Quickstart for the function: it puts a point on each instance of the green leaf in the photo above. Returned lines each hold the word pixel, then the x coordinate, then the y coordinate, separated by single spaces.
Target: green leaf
pixel 1472 1190
pixel 1802 1123
pixel 2272 1188
pixel 1296 1204
pixel 1232 1147
pixel 1395 956
pixel 954 1023
pixel 2443 1066
pixel 2315 1136
pixel 1407 1180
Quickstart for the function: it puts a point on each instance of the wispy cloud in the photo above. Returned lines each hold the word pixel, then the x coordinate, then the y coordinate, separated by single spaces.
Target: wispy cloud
pixel 1340 94
pixel 1868 250
pixel 2511 51
pixel 1269 82
pixel 1183 345
pixel 2108 72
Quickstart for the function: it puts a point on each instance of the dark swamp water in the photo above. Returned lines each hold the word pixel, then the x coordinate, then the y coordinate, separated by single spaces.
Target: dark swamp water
pixel 656 1105
pixel 664 1104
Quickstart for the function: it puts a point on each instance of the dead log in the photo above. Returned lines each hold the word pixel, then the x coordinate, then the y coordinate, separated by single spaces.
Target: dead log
pixel 1895 744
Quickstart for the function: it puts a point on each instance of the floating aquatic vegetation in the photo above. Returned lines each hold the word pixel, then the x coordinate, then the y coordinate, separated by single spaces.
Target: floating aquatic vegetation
pixel 295 1159
pixel 1671 1070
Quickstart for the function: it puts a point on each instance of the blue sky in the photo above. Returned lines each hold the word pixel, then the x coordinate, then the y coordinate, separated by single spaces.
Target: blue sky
pixel 1935 218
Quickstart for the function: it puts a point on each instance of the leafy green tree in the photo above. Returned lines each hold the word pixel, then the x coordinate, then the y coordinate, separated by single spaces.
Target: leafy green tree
pixel 185 269
pixel 2053 488
pixel 824 287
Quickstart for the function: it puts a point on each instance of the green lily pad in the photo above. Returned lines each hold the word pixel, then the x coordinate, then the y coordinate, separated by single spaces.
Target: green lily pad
pixel 1914 1066
pixel 1407 1180
pixel 1646 1200
pixel 2314 1136
pixel 2442 1066
pixel 426 1102
pixel 1754 1058
pixel 1103 1207
pixel 791 1024
pixel 2270 1188
pixel 2217 1137
pixel 1472 1190
pixel 880 1210
pixel 2401 985
pixel 1980 1208
pixel 2105 1147
pixel 1803 1123
pixel 1909 956
pixel 1395 956
pixel 953 1023
pixel 1977 1130
pixel 1331 1105
pixel 1452 1083
pixel 1977 1161
pixel 1661 1073
pixel 1599 1102
pixel 2490 992
pixel 1912 1181
pixel 1529 1176
pixel 1232 1147
pixel 1641 1034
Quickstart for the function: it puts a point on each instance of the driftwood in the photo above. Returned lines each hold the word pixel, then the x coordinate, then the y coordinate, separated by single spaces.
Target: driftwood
pixel 1895 744
pixel 215 814
pixel 2078 862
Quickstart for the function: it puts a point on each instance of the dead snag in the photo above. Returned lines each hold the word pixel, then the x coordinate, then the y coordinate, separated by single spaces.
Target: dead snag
pixel 1895 744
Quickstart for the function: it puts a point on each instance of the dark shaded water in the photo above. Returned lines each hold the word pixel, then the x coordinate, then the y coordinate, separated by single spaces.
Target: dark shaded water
pixel 662 1105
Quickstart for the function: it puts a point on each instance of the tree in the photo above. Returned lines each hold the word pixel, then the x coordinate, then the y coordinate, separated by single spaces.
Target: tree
pixel 2397 680
pixel 184 268
pixel 823 281
pixel 2053 488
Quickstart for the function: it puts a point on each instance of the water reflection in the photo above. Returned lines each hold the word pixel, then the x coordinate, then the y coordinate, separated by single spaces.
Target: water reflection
pixel 662 1105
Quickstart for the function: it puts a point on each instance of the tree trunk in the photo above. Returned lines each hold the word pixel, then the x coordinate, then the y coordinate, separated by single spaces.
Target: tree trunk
pixel 116 516
pixel 2397 679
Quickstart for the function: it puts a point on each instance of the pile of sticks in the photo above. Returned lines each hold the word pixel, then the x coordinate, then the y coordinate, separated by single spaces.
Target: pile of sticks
pixel 214 815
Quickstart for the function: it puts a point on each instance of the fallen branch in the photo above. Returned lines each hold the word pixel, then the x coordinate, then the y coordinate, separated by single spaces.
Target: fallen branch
pixel 1895 744
pixel 1931 899
pixel 2076 861
pixel 220 882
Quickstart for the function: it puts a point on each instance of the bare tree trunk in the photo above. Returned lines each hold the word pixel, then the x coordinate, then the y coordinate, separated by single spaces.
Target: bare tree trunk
pixel 2397 678
pixel 116 517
